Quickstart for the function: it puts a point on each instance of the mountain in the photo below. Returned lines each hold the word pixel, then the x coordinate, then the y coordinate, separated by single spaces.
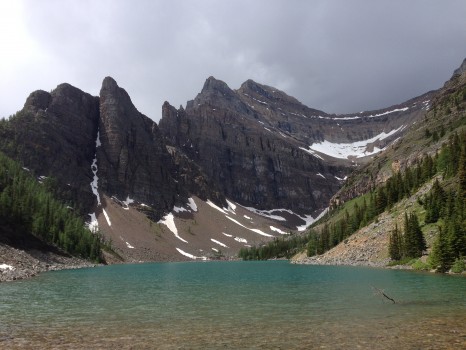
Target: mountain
pixel 267 150
pixel 234 168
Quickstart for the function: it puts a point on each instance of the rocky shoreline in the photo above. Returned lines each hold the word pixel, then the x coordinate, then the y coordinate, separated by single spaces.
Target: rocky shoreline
pixel 319 260
pixel 17 264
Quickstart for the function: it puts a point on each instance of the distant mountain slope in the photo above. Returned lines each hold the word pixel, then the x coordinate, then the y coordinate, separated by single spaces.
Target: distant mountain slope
pixel 438 142
pixel 443 115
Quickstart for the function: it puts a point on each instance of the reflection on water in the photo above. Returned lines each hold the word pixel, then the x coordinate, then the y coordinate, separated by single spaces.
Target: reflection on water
pixel 243 305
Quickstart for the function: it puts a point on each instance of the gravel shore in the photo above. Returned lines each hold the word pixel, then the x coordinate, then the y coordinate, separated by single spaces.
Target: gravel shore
pixel 16 264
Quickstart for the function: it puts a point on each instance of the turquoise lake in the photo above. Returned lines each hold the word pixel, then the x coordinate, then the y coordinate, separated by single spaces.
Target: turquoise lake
pixel 233 305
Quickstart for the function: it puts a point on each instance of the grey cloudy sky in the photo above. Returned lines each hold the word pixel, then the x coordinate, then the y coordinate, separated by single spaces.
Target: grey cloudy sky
pixel 340 56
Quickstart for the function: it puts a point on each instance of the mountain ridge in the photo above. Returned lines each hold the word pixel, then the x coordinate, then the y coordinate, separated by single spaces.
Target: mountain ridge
pixel 254 147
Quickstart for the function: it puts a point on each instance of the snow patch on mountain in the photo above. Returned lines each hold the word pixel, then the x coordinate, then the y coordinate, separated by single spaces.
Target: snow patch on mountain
pixel 276 229
pixel 107 218
pixel 182 252
pixel 215 206
pixel 309 220
pixel 192 204
pixel 127 202
pixel 262 233
pixel 169 221
pixel 355 149
pixel 94 169
pixel 219 243
pixel 93 225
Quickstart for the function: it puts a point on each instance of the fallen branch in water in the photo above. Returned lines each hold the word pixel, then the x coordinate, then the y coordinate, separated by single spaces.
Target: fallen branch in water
pixel 382 293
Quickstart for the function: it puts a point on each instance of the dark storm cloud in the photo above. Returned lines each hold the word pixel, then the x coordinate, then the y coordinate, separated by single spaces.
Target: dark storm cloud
pixel 338 56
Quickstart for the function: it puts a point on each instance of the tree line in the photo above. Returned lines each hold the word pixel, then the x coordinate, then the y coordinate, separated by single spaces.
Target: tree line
pixel 279 247
pixel 27 205
pixel 447 209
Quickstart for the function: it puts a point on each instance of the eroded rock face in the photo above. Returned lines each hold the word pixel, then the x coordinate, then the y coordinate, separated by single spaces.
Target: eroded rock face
pixel 133 160
pixel 250 163
pixel 54 136
pixel 252 142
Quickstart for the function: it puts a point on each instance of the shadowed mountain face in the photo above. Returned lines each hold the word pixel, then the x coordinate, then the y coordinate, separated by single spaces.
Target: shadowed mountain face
pixel 54 136
pixel 132 160
pixel 266 150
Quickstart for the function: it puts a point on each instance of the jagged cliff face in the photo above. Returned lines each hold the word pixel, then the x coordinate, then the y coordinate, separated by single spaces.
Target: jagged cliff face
pixel 54 136
pixel 266 150
pixel 79 139
pixel 133 160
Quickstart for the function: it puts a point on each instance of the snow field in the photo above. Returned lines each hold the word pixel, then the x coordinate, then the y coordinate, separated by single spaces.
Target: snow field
pixel 355 149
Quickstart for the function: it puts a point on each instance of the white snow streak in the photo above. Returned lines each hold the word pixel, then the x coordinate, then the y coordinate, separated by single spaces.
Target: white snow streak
pixel 247 217
pixel 94 169
pixel 190 255
pixel 226 234
pixel 179 209
pixel 219 243
pixel 231 207
pixel 319 174
pixel 250 229
pixel 311 152
pixel 241 240
pixel 215 206
pixel 192 204
pixel 268 213
pixel 97 141
pixel 169 221
pixel 129 245
pixel 107 218
pixel 276 229
pixel 366 116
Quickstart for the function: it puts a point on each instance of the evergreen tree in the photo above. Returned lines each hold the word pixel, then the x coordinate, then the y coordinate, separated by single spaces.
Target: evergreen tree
pixel 441 255
pixel 381 200
pixel 395 247
pixel 414 242
pixel 462 171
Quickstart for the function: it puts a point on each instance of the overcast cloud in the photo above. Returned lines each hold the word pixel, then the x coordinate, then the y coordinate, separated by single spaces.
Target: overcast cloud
pixel 339 56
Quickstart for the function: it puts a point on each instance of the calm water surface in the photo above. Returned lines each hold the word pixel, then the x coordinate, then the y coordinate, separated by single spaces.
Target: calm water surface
pixel 233 305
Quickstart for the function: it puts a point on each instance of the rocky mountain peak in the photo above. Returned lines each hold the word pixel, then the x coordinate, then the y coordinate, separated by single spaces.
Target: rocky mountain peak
pixel 461 69
pixel 252 88
pixel 112 94
pixel 39 99
pixel 132 151
pixel 109 84
pixel 213 91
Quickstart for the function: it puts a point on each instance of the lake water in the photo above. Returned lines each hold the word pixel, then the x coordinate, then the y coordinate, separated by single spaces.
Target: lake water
pixel 233 305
